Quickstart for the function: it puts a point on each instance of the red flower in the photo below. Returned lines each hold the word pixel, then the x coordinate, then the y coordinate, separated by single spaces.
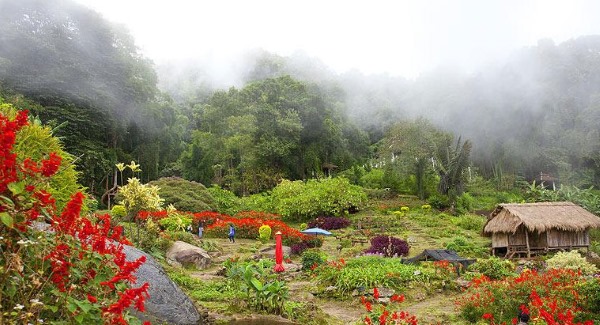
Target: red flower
pixel 91 298
pixel 51 165
pixel 375 293
pixel 488 316
pixel 368 306
pixel 397 298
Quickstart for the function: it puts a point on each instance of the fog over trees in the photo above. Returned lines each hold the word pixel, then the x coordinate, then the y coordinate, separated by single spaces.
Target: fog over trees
pixel 270 117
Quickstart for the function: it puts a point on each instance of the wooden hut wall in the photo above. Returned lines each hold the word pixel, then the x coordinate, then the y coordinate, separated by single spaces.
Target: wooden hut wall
pixel 538 240
pixel 518 238
pixel 499 239
pixel 561 238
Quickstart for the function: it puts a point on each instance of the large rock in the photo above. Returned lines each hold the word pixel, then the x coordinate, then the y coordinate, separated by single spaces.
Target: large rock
pixel 184 254
pixel 167 302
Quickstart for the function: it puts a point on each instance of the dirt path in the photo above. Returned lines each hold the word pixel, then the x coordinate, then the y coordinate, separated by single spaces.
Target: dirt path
pixel 342 312
pixel 437 309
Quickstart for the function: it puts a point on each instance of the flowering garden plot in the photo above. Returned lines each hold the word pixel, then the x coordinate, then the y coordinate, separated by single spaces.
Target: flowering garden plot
pixel 78 273
pixel 550 298
pixel 385 314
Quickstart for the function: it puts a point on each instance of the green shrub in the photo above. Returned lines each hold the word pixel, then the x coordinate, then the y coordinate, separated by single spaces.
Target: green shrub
pixel 367 272
pixel 118 211
pixel 312 257
pixel 181 236
pixel 572 261
pixel 184 195
pixel 373 179
pixel 440 202
pixel 590 289
pixel 264 233
pixel 464 203
pixel 136 197
pixel 469 222
pixel 303 226
pixel 328 197
pixel 175 222
pixel 257 202
pixel 465 246
pixel 493 267
pixel 224 201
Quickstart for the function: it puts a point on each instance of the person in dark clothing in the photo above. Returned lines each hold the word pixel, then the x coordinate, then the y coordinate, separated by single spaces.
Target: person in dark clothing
pixel 523 318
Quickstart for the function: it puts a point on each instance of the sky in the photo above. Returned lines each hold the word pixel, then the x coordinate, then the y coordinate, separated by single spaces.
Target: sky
pixel 396 37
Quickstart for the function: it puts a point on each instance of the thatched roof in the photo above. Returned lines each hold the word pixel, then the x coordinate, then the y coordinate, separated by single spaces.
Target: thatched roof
pixel 540 217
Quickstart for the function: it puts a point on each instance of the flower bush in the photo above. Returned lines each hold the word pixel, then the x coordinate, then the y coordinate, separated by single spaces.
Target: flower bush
pixel 329 223
pixel 552 297
pixel 207 218
pixel 152 215
pixel 33 143
pixel 75 274
pixel 248 228
pixel 384 314
pixel 388 246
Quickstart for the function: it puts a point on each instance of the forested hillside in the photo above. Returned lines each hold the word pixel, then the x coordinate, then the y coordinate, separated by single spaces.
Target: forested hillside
pixel 292 117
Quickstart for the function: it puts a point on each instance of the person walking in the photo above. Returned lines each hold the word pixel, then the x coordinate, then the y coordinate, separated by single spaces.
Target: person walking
pixel 231 233
pixel 200 229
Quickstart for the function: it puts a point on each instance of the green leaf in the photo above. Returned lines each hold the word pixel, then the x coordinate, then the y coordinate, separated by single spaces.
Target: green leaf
pixel 79 318
pixel 7 219
pixel 16 188
pixel 52 308
pixel 84 305
pixel 256 284
pixel 7 200
pixel 71 306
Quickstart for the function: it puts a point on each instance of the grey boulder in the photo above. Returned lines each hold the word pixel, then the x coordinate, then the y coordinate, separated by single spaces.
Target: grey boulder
pixel 167 303
pixel 184 254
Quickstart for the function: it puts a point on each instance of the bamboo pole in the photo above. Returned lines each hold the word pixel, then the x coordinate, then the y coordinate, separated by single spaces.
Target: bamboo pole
pixel 527 242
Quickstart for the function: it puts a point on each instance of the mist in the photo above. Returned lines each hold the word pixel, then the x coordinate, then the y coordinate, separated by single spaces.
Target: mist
pixel 59 48
pixel 534 111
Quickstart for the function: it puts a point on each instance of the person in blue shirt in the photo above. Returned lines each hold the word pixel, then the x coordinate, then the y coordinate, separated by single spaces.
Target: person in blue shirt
pixel 231 233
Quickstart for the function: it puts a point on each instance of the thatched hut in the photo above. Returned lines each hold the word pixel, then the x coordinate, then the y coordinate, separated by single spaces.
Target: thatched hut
pixel 532 228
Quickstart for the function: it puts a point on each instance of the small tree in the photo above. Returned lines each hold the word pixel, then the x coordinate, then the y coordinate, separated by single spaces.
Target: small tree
pixel 137 197
pixel 451 166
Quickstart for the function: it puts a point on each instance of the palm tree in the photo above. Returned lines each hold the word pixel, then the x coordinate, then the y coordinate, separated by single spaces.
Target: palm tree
pixel 451 166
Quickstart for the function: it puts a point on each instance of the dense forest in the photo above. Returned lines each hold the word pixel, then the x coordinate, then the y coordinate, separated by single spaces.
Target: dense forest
pixel 292 117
